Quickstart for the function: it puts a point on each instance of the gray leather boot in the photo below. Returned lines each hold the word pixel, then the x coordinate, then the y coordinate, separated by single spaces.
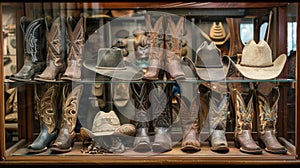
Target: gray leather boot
pixel 218 110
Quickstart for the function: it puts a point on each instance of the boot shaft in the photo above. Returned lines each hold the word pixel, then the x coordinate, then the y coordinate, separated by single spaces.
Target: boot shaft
pixel 75 42
pixel 34 37
pixel 267 109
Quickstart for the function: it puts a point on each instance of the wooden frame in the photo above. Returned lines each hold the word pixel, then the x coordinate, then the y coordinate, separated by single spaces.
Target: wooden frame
pixel 179 158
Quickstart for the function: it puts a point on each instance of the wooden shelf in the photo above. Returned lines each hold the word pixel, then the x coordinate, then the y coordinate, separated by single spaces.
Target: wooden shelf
pixel 175 156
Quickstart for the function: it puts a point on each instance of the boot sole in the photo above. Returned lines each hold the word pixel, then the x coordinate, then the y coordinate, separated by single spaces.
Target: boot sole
pixel 159 148
pixel 142 147
pixel 37 150
pixel 190 148
pixel 56 149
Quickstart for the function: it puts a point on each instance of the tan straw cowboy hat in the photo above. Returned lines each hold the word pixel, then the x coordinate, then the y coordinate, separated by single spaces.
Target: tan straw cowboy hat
pixel 256 61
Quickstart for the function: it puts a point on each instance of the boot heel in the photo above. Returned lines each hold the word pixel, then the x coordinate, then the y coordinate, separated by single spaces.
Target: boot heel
pixel 261 144
pixel 236 143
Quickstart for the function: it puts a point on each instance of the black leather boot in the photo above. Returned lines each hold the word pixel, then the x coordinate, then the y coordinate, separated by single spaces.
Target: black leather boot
pixel 161 99
pixel 34 51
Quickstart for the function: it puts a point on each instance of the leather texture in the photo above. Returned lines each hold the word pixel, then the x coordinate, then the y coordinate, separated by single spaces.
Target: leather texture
pixel 66 135
pixel 173 38
pixel 189 115
pixel 156 56
pixel 48 114
pixel 35 41
pixel 56 50
pixel 75 43
pixel 244 118
pixel 267 106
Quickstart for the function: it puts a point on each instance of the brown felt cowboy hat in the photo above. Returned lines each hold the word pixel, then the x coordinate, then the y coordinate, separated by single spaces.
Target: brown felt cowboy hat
pixel 209 64
pixel 256 61
pixel 110 63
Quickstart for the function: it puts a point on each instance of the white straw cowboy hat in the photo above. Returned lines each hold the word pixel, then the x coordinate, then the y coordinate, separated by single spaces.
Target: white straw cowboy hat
pixel 209 64
pixel 256 61
pixel 110 63
pixel 108 123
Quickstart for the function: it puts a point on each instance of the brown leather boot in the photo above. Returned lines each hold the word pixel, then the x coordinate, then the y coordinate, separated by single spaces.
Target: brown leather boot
pixel 56 51
pixel 244 117
pixel 218 110
pixel 267 108
pixel 156 55
pixel 189 117
pixel 48 113
pixel 75 43
pixel 66 135
pixel 173 38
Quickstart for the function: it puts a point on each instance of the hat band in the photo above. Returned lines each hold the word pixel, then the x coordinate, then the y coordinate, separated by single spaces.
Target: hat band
pixel 111 68
pixel 258 66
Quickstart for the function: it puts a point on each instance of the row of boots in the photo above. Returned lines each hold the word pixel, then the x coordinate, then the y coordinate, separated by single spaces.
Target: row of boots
pixel 53 49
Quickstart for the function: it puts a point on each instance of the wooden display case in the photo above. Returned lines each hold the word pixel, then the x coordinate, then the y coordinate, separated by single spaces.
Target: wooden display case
pixel 198 13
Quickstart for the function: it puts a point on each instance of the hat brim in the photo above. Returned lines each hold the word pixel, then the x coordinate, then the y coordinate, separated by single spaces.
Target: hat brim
pixel 214 73
pixel 123 130
pixel 130 72
pixel 263 73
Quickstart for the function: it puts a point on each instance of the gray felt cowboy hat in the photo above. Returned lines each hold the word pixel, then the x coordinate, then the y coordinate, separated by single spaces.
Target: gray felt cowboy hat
pixel 209 64
pixel 256 61
pixel 110 63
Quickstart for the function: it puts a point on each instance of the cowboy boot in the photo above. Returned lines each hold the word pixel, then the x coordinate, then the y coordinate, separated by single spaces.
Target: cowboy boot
pixel 66 135
pixel 189 115
pixel 48 117
pixel 56 49
pixel 75 43
pixel 156 37
pixel 142 139
pixel 218 110
pixel 35 41
pixel 244 117
pixel 267 108
pixel 161 108
pixel 174 35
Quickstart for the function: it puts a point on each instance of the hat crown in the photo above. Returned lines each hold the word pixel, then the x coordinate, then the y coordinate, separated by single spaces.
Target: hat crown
pixel 208 56
pixel 105 121
pixel 110 58
pixel 217 31
pixel 257 54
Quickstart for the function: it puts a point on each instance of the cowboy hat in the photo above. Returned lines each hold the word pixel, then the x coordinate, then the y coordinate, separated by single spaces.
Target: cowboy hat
pixel 110 63
pixel 209 65
pixel 108 123
pixel 256 61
